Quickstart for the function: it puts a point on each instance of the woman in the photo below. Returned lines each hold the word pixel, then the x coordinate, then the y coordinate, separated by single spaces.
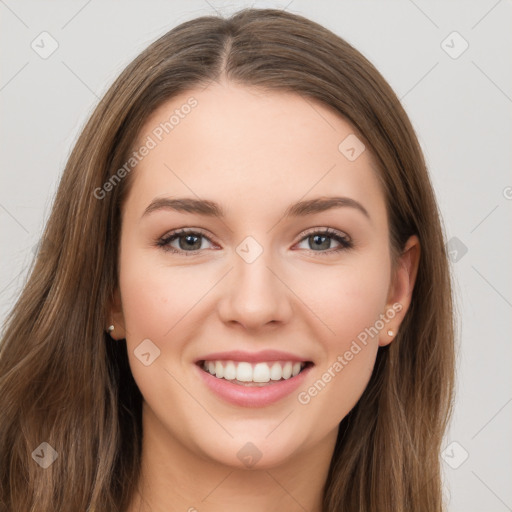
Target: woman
pixel 242 297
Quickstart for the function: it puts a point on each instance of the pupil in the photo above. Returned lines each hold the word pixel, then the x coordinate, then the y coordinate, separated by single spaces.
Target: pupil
pixel 325 244
pixel 190 243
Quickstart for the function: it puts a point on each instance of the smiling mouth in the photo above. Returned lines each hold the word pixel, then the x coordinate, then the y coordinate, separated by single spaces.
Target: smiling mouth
pixel 253 374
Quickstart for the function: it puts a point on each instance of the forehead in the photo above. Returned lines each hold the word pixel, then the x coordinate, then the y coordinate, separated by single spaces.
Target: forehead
pixel 248 147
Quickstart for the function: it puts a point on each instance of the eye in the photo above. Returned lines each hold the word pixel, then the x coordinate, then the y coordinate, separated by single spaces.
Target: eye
pixel 188 241
pixel 322 239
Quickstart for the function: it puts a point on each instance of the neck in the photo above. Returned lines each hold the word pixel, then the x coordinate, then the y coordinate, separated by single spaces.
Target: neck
pixel 175 478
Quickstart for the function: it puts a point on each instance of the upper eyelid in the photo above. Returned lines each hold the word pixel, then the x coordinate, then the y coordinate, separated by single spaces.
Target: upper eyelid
pixel 329 231
pixel 187 231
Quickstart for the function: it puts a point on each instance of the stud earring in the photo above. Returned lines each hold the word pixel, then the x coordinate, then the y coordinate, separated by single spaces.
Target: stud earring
pixel 390 332
pixel 110 329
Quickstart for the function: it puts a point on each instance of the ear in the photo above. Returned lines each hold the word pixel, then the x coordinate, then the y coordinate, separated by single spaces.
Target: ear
pixel 115 317
pixel 401 288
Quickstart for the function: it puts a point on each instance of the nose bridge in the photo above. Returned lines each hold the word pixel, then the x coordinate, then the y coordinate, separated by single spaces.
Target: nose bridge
pixel 255 296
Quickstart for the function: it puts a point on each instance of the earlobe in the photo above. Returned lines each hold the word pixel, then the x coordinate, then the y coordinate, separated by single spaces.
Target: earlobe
pixel 401 288
pixel 115 318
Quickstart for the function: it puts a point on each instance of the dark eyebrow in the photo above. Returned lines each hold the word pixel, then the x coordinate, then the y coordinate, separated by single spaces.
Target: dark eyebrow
pixel 186 205
pixel 213 209
pixel 322 204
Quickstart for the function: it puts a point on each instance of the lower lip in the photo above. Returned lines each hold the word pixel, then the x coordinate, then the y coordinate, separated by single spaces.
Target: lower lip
pixel 253 396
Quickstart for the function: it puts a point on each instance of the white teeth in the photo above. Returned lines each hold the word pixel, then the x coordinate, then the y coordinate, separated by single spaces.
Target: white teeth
pixel 230 371
pixel 219 370
pixel 244 372
pixel 276 372
pixel 261 373
pixel 287 370
pixel 250 372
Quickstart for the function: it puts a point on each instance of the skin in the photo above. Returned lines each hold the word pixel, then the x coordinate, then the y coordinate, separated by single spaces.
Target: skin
pixel 254 153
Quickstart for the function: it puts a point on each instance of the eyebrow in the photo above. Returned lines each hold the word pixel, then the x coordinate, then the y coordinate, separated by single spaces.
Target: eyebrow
pixel 213 209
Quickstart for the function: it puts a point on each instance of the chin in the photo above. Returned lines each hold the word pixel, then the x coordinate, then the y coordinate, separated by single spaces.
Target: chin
pixel 253 451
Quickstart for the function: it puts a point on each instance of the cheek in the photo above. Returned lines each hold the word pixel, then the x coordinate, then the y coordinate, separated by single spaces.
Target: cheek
pixel 345 299
pixel 349 301
pixel 153 302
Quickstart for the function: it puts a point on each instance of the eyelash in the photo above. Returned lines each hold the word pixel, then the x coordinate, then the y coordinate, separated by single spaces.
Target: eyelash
pixel 344 241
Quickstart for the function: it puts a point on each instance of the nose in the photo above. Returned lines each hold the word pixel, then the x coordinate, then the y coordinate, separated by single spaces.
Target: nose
pixel 255 296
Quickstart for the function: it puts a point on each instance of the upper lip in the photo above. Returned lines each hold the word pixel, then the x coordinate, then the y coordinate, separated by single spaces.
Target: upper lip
pixel 252 357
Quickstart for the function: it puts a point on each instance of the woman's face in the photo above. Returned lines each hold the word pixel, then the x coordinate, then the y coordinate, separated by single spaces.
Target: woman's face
pixel 255 287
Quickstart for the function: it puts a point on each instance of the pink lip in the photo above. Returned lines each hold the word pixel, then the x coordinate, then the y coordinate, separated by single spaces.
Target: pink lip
pixel 254 396
pixel 252 357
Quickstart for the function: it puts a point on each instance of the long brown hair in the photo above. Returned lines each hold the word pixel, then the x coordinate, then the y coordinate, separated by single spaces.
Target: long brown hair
pixel 63 381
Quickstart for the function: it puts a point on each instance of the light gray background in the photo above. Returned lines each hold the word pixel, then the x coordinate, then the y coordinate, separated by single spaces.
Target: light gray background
pixel 461 108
